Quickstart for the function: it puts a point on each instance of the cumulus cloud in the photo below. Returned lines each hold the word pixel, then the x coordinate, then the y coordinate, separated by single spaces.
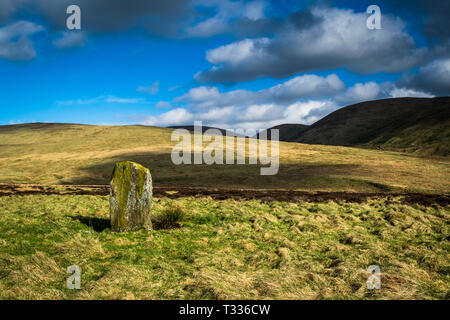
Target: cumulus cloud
pixel 306 86
pixel 434 78
pixel 247 117
pixel 277 105
pixel 15 43
pixel 70 39
pixel 150 89
pixel 339 38
pixel 173 117
pixel 307 112
pixel 301 99
pixel 216 114
pixel 264 112
pixel 360 92
pixel 403 93
pixel 300 87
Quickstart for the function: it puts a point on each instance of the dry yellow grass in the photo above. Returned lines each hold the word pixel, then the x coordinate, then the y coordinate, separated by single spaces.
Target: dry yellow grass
pixel 80 154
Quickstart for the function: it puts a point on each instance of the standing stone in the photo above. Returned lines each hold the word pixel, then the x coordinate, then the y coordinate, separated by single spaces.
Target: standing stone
pixel 130 197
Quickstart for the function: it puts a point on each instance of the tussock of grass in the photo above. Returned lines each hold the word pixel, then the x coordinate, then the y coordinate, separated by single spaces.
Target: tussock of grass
pixel 225 250
pixel 171 217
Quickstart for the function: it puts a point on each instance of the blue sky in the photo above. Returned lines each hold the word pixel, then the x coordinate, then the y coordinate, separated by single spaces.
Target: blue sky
pixel 235 64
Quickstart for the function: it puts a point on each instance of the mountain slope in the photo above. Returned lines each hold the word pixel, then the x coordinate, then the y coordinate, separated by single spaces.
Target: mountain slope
pixel 288 132
pixel 419 125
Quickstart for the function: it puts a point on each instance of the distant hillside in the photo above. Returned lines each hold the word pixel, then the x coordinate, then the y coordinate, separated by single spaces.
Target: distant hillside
pixel 68 154
pixel 288 132
pixel 413 125
pixel 204 128
pixel 419 125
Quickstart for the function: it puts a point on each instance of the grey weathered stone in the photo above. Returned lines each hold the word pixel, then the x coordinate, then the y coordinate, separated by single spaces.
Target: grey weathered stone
pixel 130 197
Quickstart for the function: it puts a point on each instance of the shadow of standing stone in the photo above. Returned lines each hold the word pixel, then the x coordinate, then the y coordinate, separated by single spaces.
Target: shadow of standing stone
pixel 130 197
pixel 98 224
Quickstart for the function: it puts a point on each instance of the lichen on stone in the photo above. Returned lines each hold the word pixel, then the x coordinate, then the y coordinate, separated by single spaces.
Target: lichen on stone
pixel 130 197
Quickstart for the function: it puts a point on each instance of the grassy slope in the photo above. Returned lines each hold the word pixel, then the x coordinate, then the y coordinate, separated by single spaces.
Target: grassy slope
pixel 224 250
pixel 417 125
pixel 288 132
pixel 429 137
pixel 80 154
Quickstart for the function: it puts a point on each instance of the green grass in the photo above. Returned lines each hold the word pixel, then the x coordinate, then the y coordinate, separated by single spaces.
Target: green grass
pixel 81 154
pixel 423 138
pixel 224 250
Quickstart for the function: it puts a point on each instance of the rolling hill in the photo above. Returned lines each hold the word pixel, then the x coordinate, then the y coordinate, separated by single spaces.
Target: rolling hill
pixel 288 132
pixel 68 154
pixel 413 125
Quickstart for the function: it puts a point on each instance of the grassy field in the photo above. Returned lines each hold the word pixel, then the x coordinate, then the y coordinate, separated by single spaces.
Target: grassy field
pixel 224 250
pixel 80 154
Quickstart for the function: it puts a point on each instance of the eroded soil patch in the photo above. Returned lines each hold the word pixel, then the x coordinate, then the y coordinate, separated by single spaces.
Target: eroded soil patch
pixel 236 194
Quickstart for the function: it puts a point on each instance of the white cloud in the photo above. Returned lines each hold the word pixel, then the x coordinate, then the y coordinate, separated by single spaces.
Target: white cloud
pixel 402 92
pixel 208 28
pixel 263 112
pixel 112 99
pixel 237 52
pixel 301 87
pixel 70 39
pixel 309 85
pixel 283 103
pixel 360 92
pixel 151 89
pixel 201 94
pixel 79 101
pixel 338 38
pixel 302 99
pixel 216 114
pixel 227 12
pixel 247 117
pixel 15 43
pixel 307 112
pixel 173 117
